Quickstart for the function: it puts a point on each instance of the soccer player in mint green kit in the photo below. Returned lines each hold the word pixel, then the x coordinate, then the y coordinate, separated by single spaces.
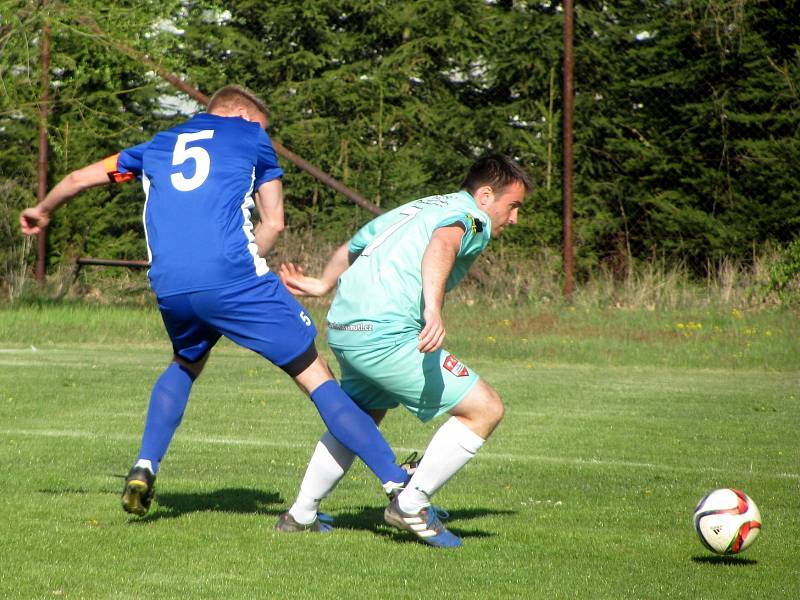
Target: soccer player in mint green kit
pixel 385 327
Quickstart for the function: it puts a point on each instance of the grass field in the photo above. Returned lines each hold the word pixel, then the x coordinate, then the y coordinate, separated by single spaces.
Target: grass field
pixel 617 423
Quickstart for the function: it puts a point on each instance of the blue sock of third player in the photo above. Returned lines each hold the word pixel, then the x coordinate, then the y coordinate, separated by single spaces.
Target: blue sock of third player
pixel 167 405
pixel 356 430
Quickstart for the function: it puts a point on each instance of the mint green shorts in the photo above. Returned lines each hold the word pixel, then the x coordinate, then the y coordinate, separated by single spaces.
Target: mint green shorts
pixel 428 385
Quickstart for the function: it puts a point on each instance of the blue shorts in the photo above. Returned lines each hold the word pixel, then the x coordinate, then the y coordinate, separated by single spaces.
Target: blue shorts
pixel 262 316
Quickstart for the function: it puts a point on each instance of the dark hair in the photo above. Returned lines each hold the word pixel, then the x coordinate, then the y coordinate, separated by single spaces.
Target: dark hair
pixel 235 96
pixel 496 171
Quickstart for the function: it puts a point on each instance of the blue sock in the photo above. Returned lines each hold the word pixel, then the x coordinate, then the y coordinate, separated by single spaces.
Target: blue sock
pixel 167 404
pixel 357 431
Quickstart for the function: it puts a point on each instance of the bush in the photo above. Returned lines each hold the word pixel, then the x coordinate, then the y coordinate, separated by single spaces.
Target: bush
pixel 784 275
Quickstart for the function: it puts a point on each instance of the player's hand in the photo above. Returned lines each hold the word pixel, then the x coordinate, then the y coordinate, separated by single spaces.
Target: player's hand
pixel 291 276
pixel 299 284
pixel 33 220
pixel 431 338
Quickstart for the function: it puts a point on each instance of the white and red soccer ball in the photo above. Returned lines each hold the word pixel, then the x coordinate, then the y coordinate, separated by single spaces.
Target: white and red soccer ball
pixel 727 521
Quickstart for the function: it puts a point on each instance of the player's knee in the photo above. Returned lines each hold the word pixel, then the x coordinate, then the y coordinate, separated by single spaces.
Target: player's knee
pixel 490 405
pixel 494 408
pixel 194 368
pixel 313 376
pixel 482 409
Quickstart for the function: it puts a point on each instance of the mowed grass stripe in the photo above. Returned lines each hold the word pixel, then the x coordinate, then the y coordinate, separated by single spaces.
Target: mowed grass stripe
pixel 485 454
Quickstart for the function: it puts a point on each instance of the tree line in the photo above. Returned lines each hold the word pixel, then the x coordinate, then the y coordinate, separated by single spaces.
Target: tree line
pixel 687 134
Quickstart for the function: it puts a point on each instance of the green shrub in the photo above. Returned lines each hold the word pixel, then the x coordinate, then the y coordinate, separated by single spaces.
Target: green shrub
pixel 784 275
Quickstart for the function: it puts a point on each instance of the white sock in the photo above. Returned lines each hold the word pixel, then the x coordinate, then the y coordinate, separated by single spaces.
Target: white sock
pixel 327 466
pixel 452 446
pixel 143 462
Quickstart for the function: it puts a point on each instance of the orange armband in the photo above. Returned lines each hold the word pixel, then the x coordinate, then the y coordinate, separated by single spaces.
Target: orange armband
pixel 113 173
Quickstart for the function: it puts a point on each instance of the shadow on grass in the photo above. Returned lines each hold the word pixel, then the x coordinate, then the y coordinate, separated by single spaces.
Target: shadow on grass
pixel 365 518
pixel 733 561
pixel 227 500
pixel 171 505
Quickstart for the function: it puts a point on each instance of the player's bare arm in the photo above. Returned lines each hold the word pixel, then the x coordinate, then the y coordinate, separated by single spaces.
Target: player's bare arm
pixel 302 285
pixel 437 262
pixel 269 200
pixel 33 220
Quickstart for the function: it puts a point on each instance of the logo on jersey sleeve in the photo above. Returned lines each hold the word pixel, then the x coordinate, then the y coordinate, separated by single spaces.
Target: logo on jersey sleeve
pixel 455 366
pixel 475 224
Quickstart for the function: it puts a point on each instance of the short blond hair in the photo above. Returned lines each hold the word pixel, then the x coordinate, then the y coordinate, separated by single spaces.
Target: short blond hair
pixel 235 96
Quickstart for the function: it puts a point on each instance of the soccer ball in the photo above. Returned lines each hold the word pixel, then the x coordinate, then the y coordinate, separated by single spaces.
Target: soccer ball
pixel 727 521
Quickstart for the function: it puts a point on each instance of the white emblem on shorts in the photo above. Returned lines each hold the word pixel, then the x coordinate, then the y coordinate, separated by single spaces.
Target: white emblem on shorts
pixel 455 366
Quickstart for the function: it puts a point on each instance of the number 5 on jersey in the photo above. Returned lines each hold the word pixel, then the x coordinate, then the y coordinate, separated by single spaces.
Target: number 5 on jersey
pixel 199 155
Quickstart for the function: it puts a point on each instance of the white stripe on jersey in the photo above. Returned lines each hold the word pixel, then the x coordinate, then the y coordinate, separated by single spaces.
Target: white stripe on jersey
pixel 146 188
pixel 260 264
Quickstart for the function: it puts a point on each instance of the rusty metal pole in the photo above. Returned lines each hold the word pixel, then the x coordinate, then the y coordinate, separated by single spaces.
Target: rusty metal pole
pixel 567 141
pixel 44 112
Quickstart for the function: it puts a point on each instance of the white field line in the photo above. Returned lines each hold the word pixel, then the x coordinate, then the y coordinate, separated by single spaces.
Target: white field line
pixel 91 435
pixel 537 458
pixel 631 464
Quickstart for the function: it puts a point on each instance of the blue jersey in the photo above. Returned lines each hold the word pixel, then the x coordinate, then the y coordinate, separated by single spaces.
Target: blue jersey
pixel 198 180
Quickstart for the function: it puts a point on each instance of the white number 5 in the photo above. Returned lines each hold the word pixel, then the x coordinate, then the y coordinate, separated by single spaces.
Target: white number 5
pixel 201 158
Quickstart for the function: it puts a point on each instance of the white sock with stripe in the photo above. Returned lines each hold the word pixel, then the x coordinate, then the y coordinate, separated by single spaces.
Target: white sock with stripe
pixel 452 446
pixel 328 464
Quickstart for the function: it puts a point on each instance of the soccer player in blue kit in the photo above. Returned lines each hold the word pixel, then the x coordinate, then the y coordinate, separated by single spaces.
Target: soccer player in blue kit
pixel 209 276
pixel 386 329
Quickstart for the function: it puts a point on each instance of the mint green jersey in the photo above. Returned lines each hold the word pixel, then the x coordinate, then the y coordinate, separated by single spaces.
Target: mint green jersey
pixel 379 299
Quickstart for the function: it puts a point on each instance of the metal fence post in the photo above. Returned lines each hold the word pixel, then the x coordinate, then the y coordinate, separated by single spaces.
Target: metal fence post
pixel 44 111
pixel 567 133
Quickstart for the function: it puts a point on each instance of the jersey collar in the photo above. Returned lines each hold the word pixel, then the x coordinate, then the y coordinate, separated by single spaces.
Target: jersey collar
pixel 466 194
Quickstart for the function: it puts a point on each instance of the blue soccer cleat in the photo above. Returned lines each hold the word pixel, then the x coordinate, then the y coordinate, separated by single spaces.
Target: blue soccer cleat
pixel 426 525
